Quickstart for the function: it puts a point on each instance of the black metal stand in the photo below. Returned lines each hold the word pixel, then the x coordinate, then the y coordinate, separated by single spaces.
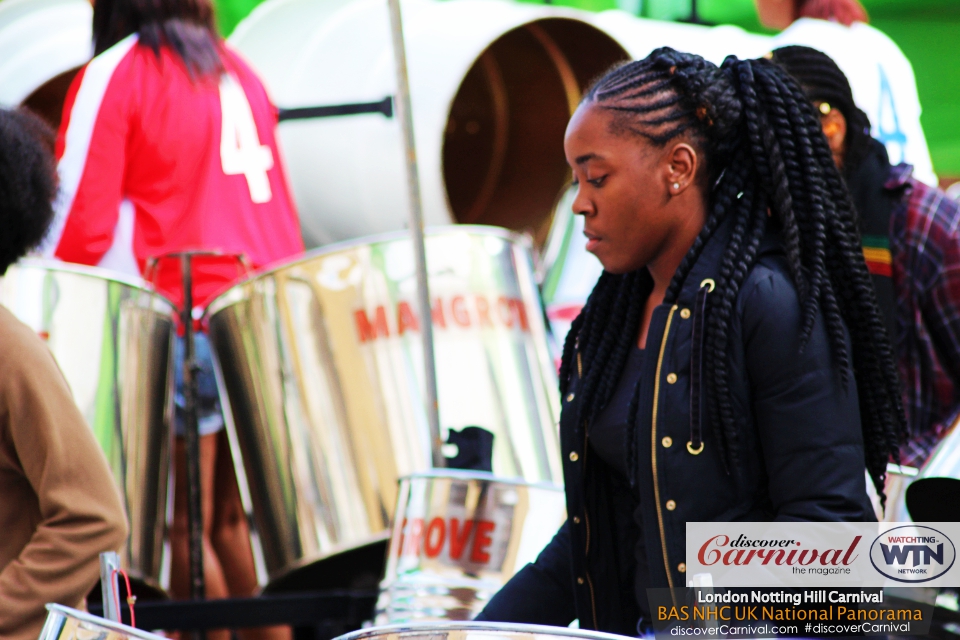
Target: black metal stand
pixel 384 106
pixel 192 437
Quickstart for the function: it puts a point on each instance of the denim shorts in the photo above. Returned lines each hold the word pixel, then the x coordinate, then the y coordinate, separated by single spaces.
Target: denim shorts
pixel 209 415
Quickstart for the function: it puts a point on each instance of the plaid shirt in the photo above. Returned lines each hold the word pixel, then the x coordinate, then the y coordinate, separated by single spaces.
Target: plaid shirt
pixel 925 266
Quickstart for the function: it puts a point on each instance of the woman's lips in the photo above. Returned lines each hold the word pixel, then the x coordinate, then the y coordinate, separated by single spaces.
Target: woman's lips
pixel 592 241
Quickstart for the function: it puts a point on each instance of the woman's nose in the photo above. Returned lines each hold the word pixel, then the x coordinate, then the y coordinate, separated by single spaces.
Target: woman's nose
pixel 581 204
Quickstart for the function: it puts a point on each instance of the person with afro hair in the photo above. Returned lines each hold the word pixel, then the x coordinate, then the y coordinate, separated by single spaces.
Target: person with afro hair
pixel 28 184
pixel 59 506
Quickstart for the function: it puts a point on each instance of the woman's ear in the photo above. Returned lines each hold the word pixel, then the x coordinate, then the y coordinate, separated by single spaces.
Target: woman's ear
pixel 681 169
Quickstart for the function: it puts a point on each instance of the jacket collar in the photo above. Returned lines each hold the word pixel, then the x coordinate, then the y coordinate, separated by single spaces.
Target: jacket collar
pixel 707 265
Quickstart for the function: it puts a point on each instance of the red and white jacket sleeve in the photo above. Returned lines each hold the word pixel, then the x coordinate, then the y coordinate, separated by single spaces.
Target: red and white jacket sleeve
pixel 91 150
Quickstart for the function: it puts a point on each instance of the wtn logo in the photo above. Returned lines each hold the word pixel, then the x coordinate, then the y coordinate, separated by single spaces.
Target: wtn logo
pixel 912 553
pixel 922 554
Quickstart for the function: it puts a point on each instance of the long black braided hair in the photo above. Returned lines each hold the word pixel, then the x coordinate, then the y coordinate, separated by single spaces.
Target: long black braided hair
pixel 765 155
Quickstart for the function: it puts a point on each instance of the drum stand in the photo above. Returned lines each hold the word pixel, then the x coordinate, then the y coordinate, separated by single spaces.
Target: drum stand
pixel 191 414
pixel 192 436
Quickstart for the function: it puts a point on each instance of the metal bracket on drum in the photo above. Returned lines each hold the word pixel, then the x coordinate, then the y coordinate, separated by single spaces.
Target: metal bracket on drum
pixel 384 106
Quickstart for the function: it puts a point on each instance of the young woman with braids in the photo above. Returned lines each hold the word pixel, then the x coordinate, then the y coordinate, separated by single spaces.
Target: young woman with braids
pixel 731 363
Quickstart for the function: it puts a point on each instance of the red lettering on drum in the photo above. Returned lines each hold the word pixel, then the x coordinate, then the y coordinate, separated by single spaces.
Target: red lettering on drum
pixel 506 311
pixel 412 540
pixel 406 319
pixel 416 539
pixel 459 308
pixel 458 541
pixel 455 312
pixel 433 544
pixel 521 313
pixel 371 331
pixel 437 314
pixel 482 540
pixel 483 310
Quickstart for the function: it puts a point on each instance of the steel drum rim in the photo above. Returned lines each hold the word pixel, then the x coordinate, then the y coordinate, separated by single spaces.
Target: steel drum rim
pixel 412 627
pixel 484 476
pixel 221 299
pixel 83 616
pixel 96 272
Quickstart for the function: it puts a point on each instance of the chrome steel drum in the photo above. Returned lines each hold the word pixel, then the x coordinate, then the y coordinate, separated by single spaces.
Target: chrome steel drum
pixel 111 338
pixel 457 538
pixel 322 366
pixel 474 631
pixel 64 623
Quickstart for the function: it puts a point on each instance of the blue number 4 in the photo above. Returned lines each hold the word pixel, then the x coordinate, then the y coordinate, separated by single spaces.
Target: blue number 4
pixel 888 125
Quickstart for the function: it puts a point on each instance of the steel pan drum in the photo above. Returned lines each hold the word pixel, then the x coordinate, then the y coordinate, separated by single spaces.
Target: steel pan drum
pixel 474 631
pixel 457 537
pixel 322 369
pixel 111 338
pixel 64 623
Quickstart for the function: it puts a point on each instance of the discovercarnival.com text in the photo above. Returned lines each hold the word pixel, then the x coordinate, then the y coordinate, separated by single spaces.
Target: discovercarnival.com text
pixel 771 630
pixel 748 630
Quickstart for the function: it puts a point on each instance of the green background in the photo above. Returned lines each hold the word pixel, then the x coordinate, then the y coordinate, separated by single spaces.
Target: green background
pixel 928 32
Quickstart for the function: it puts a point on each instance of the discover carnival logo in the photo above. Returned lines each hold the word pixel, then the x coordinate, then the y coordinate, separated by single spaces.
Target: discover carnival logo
pixel 742 550
pixel 912 553
pixel 822 554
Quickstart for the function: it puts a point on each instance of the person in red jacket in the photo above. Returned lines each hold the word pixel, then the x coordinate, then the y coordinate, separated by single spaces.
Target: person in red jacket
pixel 168 144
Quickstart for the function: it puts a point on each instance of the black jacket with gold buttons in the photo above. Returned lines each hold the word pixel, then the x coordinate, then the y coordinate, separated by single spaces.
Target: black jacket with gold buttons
pixel 800 449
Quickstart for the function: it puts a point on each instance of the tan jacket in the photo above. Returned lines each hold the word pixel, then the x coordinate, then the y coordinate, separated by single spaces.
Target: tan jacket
pixel 59 506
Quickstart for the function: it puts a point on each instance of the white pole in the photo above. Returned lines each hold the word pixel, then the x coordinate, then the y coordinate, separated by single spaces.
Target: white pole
pixel 110 562
pixel 405 116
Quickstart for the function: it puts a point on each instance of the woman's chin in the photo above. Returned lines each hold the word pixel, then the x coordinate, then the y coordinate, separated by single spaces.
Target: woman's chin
pixel 615 268
pixel 611 264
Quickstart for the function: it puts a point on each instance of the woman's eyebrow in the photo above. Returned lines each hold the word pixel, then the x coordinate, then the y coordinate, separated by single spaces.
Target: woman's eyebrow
pixel 586 158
